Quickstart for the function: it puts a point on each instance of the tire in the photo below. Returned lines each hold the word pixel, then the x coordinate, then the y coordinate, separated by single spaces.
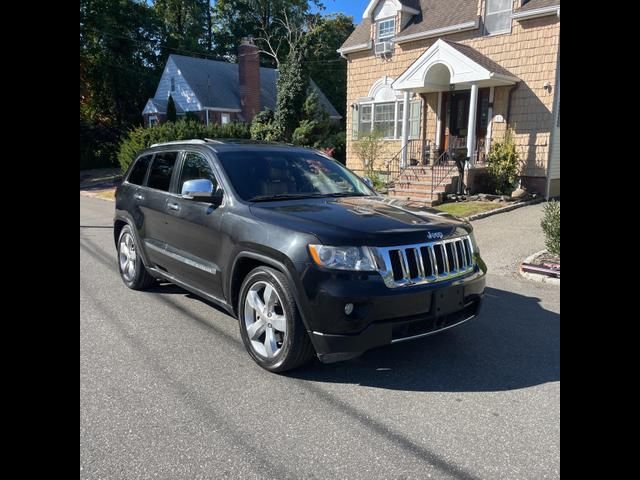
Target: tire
pixel 273 333
pixel 128 259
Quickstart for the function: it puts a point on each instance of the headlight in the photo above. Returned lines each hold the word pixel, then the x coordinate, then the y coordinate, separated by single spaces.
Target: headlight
pixel 343 258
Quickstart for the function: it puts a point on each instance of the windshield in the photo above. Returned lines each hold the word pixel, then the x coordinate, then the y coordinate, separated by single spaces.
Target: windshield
pixel 280 175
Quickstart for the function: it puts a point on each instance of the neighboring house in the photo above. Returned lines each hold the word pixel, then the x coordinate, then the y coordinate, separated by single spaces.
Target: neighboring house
pixel 219 92
pixel 441 76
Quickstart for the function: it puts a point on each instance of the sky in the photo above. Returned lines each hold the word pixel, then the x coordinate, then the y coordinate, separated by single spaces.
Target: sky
pixel 354 8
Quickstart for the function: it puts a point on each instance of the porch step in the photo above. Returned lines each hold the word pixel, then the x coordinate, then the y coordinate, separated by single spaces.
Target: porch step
pixel 428 200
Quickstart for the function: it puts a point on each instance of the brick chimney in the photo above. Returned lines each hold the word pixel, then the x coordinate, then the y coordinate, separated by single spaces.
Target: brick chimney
pixel 249 78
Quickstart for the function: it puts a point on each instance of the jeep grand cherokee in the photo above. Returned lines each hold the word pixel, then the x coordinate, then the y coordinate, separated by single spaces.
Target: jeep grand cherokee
pixel 308 258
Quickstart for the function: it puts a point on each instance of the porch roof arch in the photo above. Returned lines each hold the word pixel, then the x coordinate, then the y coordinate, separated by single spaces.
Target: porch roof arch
pixel 463 64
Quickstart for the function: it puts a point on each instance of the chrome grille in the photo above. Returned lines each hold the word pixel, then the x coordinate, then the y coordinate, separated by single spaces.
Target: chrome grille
pixel 425 262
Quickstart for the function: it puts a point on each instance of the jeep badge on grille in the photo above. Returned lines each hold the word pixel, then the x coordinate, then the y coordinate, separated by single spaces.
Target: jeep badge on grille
pixel 432 235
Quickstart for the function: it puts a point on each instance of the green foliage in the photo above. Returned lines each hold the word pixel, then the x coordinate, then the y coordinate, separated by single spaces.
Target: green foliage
pixel 329 69
pixel 316 127
pixel 140 138
pixel 191 116
pixel 171 110
pixel 263 127
pixel 293 84
pixel 369 150
pixel 504 165
pixel 551 227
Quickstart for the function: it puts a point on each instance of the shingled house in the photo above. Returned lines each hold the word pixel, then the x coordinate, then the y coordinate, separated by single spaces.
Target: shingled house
pixel 440 77
pixel 219 92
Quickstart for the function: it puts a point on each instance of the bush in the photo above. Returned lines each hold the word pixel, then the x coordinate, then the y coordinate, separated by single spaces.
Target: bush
pixel 171 110
pixel 504 165
pixel 263 127
pixel 140 138
pixel 369 149
pixel 551 227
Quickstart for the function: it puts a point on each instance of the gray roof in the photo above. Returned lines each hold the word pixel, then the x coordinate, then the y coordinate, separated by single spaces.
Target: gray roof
pixel 480 59
pixel 224 91
pixel 433 14
pixel 161 105
pixel 534 4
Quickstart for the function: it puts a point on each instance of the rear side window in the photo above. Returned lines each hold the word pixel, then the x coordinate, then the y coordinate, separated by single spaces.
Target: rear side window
pixel 161 170
pixel 139 170
pixel 195 167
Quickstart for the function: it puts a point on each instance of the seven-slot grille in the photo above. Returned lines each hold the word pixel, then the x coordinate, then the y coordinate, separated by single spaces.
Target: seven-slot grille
pixel 426 262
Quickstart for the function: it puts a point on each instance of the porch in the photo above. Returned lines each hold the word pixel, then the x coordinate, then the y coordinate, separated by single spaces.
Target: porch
pixel 461 85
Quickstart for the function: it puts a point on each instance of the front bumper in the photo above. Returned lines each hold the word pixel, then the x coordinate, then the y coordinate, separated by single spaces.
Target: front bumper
pixel 382 316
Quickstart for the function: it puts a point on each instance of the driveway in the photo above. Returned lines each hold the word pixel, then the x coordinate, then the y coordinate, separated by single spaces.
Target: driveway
pixel 167 390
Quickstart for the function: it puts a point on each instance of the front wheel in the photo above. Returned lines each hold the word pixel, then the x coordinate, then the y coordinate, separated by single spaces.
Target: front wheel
pixel 270 324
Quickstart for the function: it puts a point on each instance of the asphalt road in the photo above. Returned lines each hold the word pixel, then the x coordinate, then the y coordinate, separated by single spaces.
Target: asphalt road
pixel 167 390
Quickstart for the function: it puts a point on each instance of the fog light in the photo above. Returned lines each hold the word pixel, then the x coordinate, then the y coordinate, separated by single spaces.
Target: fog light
pixel 348 308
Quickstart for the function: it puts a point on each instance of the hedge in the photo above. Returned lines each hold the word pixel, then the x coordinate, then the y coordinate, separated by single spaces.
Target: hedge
pixel 143 137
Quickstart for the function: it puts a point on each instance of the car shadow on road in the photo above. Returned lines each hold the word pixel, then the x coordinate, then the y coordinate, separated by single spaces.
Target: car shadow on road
pixel 513 343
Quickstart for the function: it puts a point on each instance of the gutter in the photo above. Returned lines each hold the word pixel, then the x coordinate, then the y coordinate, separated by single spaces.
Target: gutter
pixel 537 12
pixel 461 27
pixel 355 48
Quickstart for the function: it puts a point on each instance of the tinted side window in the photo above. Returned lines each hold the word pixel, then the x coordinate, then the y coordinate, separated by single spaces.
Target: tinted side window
pixel 196 166
pixel 139 170
pixel 161 170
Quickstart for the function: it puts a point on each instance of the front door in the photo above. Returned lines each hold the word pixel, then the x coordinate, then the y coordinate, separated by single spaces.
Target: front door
pixel 195 234
pixel 455 109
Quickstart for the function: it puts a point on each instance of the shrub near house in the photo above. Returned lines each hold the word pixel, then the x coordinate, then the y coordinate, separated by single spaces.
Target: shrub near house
pixel 140 138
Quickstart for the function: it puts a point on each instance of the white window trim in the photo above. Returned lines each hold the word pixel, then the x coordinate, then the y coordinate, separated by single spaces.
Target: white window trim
pixel 500 32
pixel 388 37
pixel 155 119
pixel 222 116
pixel 397 126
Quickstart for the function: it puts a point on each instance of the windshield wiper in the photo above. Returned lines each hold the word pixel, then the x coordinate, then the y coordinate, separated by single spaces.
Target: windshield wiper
pixel 283 196
pixel 345 194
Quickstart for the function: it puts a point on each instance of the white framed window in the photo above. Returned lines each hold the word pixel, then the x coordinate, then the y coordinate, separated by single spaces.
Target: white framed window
pixel 386 117
pixel 153 120
pixel 173 84
pixel 386 29
pixel 497 17
pixel 225 118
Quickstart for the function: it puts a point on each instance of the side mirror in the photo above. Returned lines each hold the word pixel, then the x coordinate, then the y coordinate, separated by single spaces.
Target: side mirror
pixel 200 189
pixel 368 182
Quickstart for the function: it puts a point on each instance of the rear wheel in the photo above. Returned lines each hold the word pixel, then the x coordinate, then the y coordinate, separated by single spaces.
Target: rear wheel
pixel 132 271
pixel 270 324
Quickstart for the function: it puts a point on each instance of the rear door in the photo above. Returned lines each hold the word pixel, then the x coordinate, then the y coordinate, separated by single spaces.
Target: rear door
pixel 195 234
pixel 153 204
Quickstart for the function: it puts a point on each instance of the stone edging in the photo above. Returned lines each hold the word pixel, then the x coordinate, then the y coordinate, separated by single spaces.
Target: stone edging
pixel 537 277
pixel 508 208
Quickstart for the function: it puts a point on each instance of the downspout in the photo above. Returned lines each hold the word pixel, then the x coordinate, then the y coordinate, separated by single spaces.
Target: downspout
pixel 511 90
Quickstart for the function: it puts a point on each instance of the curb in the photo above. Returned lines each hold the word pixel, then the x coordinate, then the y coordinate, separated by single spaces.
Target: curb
pixel 508 208
pixel 537 277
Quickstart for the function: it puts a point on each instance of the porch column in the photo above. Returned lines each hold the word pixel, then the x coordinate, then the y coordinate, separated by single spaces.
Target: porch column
pixel 471 126
pixel 207 114
pixel 438 120
pixel 487 142
pixel 405 128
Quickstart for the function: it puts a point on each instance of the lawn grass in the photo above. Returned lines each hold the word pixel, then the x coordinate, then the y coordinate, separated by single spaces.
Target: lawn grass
pixel 108 194
pixel 466 209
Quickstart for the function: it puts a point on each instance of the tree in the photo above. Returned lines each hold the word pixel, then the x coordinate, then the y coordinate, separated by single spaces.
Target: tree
pixel 183 26
pixel 265 20
pixel 171 110
pixel 326 67
pixel 316 126
pixel 292 86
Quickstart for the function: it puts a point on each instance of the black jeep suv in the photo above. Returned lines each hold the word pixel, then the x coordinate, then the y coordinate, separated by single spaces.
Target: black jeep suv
pixel 297 247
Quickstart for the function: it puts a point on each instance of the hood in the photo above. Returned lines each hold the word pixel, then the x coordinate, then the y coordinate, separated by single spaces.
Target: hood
pixel 375 221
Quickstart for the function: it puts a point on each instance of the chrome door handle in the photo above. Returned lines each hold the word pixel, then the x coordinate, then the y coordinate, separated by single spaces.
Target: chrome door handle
pixel 138 196
pixel 173 206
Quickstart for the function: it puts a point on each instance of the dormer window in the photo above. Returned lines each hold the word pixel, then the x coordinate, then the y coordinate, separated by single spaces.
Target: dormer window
pixel 386 29
pixel 173 84
pixel 497 18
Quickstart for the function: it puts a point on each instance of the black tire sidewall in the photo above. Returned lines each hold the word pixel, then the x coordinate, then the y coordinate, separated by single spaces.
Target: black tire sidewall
pixel 266 275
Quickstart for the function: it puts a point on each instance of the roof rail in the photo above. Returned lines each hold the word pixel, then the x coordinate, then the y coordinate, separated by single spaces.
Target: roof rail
pixel 196 141
pixel 213 140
